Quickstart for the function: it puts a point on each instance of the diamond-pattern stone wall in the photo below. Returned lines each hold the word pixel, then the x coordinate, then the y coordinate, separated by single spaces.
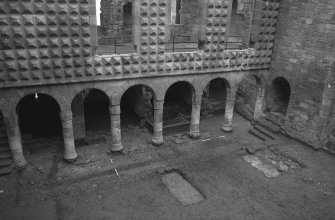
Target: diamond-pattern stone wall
pixel 51 41
pixel 216 25
pixel 43 39
pixel 153 21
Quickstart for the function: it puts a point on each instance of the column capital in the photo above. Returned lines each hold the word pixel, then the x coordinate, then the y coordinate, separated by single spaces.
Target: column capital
pixel 158 104
pixel 197 100
pixel 231 95
pixel 65 115
pixel 114 109
pixel 261 92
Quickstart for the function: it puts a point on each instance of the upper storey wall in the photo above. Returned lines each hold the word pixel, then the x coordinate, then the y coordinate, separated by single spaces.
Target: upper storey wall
pixel 44 39
pixel 53 41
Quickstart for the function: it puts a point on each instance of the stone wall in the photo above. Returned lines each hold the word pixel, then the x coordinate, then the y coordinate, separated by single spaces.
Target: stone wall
pixel 304 54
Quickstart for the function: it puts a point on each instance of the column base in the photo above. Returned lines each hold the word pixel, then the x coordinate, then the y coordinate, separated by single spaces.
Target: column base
pixel 116 147
pixel 20 164
pixel 71 157
pixel 227 128
pixel 194 135
pixel 157 141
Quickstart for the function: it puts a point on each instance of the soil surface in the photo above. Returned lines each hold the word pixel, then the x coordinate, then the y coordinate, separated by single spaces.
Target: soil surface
pixel 232 189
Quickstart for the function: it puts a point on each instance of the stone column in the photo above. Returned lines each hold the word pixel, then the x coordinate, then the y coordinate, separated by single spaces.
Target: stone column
pixel 229 111
pixel 70 153
pixel 115 112
pixel 78 117
pixel 14 140
pixel 195 117
pixel 157 138
pixel 259 104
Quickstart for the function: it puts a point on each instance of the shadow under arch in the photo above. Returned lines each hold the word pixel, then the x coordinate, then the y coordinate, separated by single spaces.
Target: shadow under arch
pixel 137 105
pixel 249 97
pixel 178 106
pixel 214 96
pixel 39 116
pixel 90 110
pixel 279 96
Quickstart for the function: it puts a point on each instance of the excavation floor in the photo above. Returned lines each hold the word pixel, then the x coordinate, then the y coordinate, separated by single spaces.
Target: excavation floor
pixel 214 166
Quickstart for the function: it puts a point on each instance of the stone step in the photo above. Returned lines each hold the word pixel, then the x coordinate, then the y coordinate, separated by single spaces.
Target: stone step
pixel 4 148
pixel 258 134
pixel 6 162
pixel 275 119
pixel 6 170
pixel 3 142
pixel 5 154
pixel 265 132
pixel 269 126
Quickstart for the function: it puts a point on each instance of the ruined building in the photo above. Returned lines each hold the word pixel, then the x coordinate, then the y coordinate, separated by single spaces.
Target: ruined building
pixel 168 62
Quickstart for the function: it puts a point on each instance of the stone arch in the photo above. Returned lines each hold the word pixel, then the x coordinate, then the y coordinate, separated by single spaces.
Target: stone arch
pixel 75 90
pixel 164 89
pixel 90 110
pixel 229 85
pixel 214 95
pixel 178 101
pixel 136 103
pixel 124 89
pixel 249 96
pixel 39 115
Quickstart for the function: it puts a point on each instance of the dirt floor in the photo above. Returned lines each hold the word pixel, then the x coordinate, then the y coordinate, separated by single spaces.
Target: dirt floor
pixel 215 165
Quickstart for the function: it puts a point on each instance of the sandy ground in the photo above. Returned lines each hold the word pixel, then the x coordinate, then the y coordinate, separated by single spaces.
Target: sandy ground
pixel 90 189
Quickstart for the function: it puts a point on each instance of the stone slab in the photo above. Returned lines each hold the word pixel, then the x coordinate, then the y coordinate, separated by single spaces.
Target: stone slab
pixel 181 189
pixel 267 169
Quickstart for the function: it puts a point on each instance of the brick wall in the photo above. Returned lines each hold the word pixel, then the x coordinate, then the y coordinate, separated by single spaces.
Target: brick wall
pixel 304 53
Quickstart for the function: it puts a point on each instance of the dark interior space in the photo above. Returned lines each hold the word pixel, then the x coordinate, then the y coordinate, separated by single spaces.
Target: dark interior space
pixel 39 116
pixel 217 89
pixel 177 104
pixel 214 97
pixel 96 108
pixel 136 105
pixel 127 19
pixel 280 95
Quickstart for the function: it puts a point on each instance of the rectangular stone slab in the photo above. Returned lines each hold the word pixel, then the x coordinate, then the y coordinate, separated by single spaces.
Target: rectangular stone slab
pixel 181 189
pixel 267 169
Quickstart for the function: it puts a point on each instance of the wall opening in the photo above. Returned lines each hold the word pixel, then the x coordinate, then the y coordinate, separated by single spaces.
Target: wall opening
pixel 214 97
pixel 279 96
pixel 182 32
pixel 39 122
pixel 239 25
pixel 115 31
pixel 39 116
pixel 127 23
pixel 177 106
